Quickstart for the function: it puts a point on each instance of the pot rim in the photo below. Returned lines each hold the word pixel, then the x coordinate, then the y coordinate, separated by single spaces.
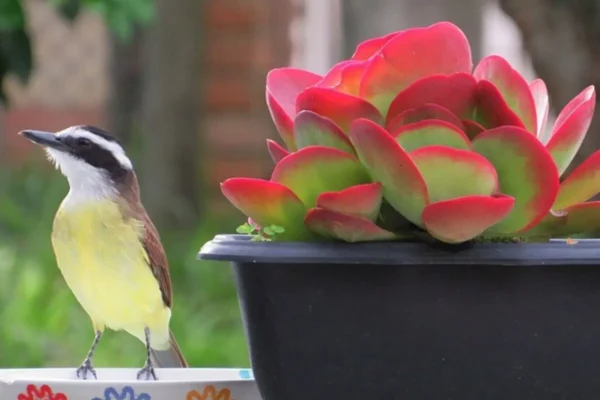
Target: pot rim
pixel 557 252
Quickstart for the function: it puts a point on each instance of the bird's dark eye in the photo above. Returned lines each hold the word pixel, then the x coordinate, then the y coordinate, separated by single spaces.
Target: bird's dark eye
pixel 83 142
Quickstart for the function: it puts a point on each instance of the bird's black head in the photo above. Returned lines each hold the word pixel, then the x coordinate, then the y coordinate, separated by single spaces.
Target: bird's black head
pixel 81 149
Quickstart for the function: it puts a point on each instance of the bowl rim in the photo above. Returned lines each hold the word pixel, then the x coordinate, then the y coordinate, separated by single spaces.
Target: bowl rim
pixel 172 376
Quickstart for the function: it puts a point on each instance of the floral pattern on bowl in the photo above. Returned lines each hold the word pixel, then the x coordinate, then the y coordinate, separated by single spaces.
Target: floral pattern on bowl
pixel 120 384
pixel 127 393
pixel 209 393
pixel 44 392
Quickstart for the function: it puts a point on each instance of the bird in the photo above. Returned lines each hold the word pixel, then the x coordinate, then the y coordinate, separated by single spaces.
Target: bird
pixel 107 248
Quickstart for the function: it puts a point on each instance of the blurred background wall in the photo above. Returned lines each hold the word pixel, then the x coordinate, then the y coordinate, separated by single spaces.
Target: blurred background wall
pixel 185 92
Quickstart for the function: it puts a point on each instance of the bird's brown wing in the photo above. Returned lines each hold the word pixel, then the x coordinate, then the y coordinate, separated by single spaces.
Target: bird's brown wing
pixel 131 207
pixel 158 260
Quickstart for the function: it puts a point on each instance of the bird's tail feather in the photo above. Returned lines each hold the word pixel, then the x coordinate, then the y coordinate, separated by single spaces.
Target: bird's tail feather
pixel 170 358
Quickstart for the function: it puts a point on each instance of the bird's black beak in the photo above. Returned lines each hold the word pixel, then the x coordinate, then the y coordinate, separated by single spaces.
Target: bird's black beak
pixel 46 139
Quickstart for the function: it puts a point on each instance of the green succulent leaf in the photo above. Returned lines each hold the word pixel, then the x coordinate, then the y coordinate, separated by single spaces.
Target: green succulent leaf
pixel 431 133
pixel 361 200
pixel 525 171
pixel 451 173
pixel 311 129
pixel 387 163
pixel 578 219
pixel 581 185
pixel 571 128
pixel 349 228
pixel 513 87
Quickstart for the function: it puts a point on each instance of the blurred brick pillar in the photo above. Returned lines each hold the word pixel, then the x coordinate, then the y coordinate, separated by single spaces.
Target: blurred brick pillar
pixel 243 41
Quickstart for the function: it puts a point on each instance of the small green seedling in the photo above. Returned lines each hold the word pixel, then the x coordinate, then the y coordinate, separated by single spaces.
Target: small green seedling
pixel 260 234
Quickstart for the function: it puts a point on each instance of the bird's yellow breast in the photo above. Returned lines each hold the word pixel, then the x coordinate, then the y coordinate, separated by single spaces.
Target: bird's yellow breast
pixel 102 258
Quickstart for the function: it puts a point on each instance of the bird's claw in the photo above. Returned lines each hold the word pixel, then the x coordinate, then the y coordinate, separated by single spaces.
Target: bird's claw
pixel 85 368
pixel 148 371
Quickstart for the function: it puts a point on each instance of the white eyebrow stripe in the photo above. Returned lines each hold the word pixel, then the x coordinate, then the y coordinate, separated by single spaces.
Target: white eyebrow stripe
pixel 116 150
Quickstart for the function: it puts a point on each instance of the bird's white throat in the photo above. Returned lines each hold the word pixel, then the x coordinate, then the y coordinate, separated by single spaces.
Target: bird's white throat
pixel 86 183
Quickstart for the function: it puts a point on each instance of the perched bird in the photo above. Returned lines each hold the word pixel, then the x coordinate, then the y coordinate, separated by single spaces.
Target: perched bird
pixel 106 246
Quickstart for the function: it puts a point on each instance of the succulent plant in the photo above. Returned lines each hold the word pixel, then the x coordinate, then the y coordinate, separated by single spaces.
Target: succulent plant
pixel 407 139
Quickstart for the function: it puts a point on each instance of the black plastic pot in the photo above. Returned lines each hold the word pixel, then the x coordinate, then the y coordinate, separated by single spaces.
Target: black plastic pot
pixel 395 321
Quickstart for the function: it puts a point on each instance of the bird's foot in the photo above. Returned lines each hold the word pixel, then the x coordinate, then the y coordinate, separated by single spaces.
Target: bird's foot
pixel 147 371
pixel 85 368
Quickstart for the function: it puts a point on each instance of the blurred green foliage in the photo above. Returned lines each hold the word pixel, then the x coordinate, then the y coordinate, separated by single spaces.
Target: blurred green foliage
pixel 121 16
pixel 41 323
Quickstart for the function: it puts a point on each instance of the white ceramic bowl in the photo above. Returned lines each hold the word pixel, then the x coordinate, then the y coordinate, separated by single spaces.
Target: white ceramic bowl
pixel 121 384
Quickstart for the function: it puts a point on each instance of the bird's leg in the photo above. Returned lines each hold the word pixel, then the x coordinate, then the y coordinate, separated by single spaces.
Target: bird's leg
pixel 148 369
pixel 86 365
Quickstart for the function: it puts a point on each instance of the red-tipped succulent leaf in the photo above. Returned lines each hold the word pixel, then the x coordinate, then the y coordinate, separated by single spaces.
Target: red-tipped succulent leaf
pixel 576 102
pixel 341 108
pixel 267 203
pixel 370 47
pixel 387 163
pixel 472 129
pixel 457 151
pixel 581 185
pixel 313 170
pixel 571 127
pixel 282 89
pixel 451 173
pixel 525 171
pixel 344 77
pixel 312 129
pixel 349 228
pixel 577 219
pixel 428 111
pixel 361 200
pixel 492 110
pixel 410 55
pixel 512 86
pixel 276 151
pixel 539 91
pixel 464 218
pixel 456 93
pixel 431 133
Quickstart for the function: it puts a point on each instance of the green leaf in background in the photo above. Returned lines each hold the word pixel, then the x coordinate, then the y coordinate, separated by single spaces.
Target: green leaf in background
pixel 16 48
pixel 16 56
pixel 121 17
pixel 11 15
pixel 3 72
pixel 69 9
